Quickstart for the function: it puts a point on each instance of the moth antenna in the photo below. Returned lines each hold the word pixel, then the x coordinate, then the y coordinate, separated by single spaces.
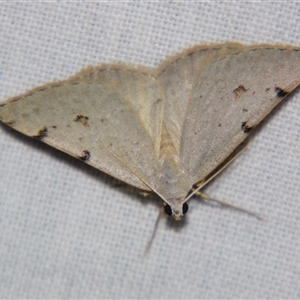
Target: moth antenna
pixel 229 205
pixel 149 244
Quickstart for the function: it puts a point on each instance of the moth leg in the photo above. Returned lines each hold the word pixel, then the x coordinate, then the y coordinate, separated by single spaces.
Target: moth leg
pixel 229 205
pixel 239 150
pixel 143 193
pixel 120 184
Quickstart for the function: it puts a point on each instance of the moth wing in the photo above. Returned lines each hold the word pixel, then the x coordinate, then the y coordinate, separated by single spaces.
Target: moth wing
pixel 231 96
pixel 177 82
pixel 96 117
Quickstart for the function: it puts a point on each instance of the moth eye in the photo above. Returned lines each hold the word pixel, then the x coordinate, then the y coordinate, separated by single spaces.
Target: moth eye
pixel 185 208
pixel 168 210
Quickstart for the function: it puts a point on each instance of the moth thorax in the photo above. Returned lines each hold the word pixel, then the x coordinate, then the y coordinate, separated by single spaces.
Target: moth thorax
pixel 166 145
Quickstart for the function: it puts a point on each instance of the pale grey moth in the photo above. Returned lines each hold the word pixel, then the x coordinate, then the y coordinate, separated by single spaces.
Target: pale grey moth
pixel 164 130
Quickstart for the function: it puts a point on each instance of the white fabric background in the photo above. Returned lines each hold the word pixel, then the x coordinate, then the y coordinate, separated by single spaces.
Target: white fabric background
pixel 68 231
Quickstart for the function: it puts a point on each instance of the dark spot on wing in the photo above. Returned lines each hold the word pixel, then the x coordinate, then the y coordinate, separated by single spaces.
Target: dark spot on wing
pixel 41 134
pixel 82 119
pixel 10 123
pixel 24 115
pixel 16 99
pixel 43 89
pixel 246 128
pixel 36 110
pixel 280 93
pixel 85 155
pixel 239 91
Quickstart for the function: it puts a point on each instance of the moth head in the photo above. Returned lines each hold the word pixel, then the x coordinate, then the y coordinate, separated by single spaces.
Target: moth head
pixel 176 211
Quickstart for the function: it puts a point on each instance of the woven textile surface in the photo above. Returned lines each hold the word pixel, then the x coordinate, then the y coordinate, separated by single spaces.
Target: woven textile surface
pixel 70 231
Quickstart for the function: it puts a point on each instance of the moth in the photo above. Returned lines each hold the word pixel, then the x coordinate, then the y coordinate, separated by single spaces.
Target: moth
pixel 165 130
